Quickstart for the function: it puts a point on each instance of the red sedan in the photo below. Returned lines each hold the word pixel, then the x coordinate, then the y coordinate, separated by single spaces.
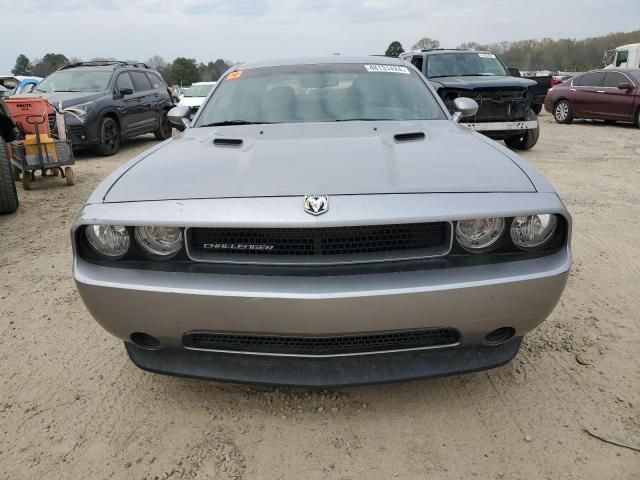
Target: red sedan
pixel 611 94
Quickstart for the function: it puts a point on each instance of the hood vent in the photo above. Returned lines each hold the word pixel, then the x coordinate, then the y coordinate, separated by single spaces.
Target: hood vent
pixel 409 137
pixel 228 142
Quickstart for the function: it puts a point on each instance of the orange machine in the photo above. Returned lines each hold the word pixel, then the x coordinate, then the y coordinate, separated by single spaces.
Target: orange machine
pixel 23 107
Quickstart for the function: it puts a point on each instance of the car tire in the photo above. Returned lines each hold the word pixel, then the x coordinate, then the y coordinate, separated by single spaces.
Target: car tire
pixel 537 108
pixel 527 139
pixel 108 137
pixel 562 112
pixel 165 129
pixel 638 118
pixel 8 194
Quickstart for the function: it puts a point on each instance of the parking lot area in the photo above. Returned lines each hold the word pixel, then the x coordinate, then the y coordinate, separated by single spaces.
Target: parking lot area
pixel 72 405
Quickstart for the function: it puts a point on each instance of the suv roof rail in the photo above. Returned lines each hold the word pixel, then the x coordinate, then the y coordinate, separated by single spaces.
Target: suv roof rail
pixel 438 50
pixel 105 63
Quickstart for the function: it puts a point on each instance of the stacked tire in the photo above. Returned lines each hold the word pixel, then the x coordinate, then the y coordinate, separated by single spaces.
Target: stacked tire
pixel 8 194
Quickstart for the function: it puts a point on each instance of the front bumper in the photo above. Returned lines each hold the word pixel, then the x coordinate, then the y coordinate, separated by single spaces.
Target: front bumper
pixel 323 373
pixel 473 300
pixel 501 126
pixel 81 133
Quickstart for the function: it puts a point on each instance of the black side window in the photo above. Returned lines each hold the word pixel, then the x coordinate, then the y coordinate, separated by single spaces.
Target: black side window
pixel 622 57
pixel 417 62
pixel 123 82
pixel 593 79
pixel 141 81
pixel 156 81
pixel 612 79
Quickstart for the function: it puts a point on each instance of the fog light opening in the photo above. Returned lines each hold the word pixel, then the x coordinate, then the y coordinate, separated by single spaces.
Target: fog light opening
pixel 499 335
pixel 144 340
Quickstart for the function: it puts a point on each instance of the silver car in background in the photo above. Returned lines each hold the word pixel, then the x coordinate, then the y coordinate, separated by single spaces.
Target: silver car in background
pixel 322 222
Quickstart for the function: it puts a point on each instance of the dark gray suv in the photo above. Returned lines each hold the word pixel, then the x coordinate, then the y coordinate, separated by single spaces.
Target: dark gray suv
pixel 108 101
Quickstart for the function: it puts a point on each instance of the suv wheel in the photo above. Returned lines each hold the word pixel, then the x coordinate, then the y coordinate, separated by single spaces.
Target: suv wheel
pixel 562 112
pixel 8 194
pixel 108 137
pixel 527 139
pixel 164 129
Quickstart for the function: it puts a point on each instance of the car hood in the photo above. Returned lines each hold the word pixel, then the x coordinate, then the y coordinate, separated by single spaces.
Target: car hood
pixel 68 99
pixel 481 82
pixel 354 158
pixel 191 101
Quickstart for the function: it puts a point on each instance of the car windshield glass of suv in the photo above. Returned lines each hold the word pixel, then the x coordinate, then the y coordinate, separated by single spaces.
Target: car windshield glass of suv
pixel 464 64
pixel 199 91
pixel 75 81
pixel 321 93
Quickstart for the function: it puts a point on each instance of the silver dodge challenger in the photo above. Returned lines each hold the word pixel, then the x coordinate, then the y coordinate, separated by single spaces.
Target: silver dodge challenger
pixel 322 222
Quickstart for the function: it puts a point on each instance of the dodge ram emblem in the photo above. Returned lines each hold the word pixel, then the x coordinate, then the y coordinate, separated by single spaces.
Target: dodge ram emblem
pixel 316 204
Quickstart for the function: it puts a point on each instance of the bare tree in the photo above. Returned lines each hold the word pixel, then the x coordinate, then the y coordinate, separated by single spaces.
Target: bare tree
pixel 426 43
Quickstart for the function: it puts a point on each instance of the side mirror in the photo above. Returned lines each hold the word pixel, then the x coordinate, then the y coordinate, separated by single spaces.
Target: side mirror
pixel 514 72
pixel 625 86
pixel 464 107
pixel 126 91
pixel 179 116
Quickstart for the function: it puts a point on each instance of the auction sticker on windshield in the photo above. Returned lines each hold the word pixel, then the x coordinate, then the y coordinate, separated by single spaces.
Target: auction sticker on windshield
pixel 486 55
pixel 387 69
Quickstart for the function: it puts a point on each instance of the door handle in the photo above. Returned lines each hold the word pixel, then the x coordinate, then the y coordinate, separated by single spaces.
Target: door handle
pixel 600 91
pixel 572 89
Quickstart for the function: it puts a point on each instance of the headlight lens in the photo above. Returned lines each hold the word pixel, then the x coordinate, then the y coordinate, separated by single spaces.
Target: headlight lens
pixel 110 241
pixel 479 234
pixel 533 231
pixel 161 241
pixel 79 110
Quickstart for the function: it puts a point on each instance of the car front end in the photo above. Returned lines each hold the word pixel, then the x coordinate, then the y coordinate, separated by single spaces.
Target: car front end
pixel 321 253
pixel 503 109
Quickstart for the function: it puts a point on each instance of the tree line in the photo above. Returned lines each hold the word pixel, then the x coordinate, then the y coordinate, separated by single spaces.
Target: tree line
pixel 565 54
pixel 181 71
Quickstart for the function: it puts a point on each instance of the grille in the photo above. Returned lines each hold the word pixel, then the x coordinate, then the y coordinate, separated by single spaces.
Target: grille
pixel 53 125
pixel 332 243
pixel 494 105
pixel 322 345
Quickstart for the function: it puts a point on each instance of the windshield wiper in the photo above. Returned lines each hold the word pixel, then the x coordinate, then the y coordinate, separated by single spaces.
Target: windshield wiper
pixel 363 120
pixel 233 122
pixel 465 75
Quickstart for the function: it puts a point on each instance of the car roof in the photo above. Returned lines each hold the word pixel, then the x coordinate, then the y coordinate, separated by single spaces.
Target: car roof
pixel 613 69
pixel 329 59
pixel 108 65
pixel 438 51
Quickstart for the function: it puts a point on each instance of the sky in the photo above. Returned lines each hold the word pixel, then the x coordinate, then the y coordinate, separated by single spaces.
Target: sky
pixel 250 30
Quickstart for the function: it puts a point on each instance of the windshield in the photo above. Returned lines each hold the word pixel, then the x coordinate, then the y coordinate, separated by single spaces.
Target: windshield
pixel 199 90
pixel 321 93
pixel 75 81
pixel 464 64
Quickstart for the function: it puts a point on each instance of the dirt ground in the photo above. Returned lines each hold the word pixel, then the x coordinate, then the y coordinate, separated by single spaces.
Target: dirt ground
pixel 72 406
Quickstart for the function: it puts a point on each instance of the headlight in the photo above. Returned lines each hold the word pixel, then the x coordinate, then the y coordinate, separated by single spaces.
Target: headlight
pixel 79 110
pixel 479 234
pixel 110 241
pixel 160 241
pixel 533 231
